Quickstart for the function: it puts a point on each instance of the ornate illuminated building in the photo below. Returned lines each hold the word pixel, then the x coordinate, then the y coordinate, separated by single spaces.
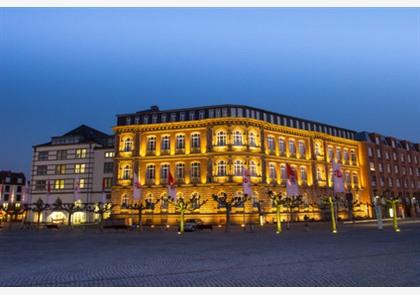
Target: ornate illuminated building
pixel 206 148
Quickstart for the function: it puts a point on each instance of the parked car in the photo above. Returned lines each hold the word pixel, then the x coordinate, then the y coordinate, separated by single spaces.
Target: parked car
pixel 192 225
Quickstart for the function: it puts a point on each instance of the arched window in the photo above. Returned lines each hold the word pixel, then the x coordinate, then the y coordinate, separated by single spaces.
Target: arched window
pixel 330 153
pixel 347 178
pixel 180 142
pixel 353 157
pixel 239 195
pixel 338 154
pixel 127 172
pixel 255 200
pixel 355 179
pixel 151 144
pixel 318 174
pixel 195 140
pixel 128 145
pixel 164 173
pixel 282 146
pixel 180 170
pixel 221 138
pixel 252 168
pixel 252 139
pixel 164 202
pixel 346 155
pixel 124 200
pixel 166 143
pixel 302 149
pixel 272 170
pixel 237 138
pixel 292 148
pixel 195 170
pixel 237 168
pixel 317 149
pixel 150 172
pixel 221 168
pixel 283 172
pixel 270 142
pixel 303 175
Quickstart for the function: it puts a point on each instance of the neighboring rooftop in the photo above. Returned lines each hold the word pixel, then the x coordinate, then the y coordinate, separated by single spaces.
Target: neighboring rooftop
pixel 154 116
pixel 377 138
pixel 9 177
pixel 82 134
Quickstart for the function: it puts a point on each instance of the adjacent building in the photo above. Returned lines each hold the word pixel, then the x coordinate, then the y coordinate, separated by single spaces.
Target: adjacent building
pixel 75 167
pixel 206 149
pixel 394 169
pixel 12 189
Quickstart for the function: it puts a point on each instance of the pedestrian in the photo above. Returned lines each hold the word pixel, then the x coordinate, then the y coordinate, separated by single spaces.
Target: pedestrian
pixel 306 219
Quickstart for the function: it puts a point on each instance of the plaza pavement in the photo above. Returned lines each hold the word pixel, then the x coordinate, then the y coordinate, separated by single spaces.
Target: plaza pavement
pixel 359 255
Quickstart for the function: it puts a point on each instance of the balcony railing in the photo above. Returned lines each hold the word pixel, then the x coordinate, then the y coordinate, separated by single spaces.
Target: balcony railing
pixel 150 152
pixel 150 181
pixel 180 180
pixel 195 179
pixel 195 150
pixel 180 151
pixel 165 151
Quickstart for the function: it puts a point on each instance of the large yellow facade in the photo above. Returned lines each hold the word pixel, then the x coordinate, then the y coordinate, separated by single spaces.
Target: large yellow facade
pixel 207 157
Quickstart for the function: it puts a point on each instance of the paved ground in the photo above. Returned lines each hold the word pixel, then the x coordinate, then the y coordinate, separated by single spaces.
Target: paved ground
pixel 358 255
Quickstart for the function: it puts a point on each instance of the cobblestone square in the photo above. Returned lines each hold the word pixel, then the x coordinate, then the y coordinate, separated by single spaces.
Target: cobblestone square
pixel 359 255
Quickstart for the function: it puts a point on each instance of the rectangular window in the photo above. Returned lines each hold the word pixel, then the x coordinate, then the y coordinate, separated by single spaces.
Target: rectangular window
pixel 107 183
pixel 109 154
pixel 82 183
pixel 201 115
pixel 79 168
pixel 108 167
pixel 42 170
pixel 173 117
pixel 192 115
pixel 163 118
pixel 60 169
pixel 43 156
pixel 80 153
pixel 154 119
pixel 372 166
pixel 62 155
pixel 145 119
pixel 59 184
pixel 182 116
pixel 40 185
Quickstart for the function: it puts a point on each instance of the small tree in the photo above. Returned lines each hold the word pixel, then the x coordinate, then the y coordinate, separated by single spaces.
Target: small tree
pixel 140 207
pixel 331 201
pixel 277 202
pixel 99 208
pixel 183 206
pixel 223 202
pixel 39 207
pixel 70 208
pixel 291 203
pixel 393 201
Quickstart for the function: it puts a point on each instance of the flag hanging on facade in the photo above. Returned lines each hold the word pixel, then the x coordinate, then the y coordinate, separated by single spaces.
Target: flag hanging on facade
pixel 291 184
pixel 76 189
pixel 338 178
pixel 136 188
pixel 171 186
pixel 246 182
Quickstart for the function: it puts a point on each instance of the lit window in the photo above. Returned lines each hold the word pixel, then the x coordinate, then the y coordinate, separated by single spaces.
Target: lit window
pixel 195 170
pixel 195 140
pixel 180 142
pixel 303 175
pixel 151 144
pixel 128 145
pixel 82 183
pixel 221 138
pixel 237 168
pixel 150 172
pixel 81 153
pixel 282 146
pixel 372 166
pixel 270 141
pixel 79 168
pixel 292 148
pixel 302 149
pixel 60 169
pixel 179 170
pixel 166 143
pixel 237 138
pixel 252 140
pixel 338 154
pixel 59 184
pixel 252 168
pixel 272 171
pixel 109 154
pixel 164 172
pixel 127 172
pixel 221 168
pixel 283 172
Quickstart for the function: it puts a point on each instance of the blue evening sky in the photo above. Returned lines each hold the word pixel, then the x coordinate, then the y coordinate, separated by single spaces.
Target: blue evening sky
pixel 59 68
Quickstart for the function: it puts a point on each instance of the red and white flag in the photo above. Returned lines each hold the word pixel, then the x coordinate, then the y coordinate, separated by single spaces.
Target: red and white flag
pixel 171 186
pixel 291 184
pixel 246 182
pixel 136 188
pixel 76 189
pixel 338 178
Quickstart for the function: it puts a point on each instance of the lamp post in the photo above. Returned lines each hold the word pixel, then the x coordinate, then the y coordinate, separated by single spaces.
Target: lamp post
pixel 277 202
